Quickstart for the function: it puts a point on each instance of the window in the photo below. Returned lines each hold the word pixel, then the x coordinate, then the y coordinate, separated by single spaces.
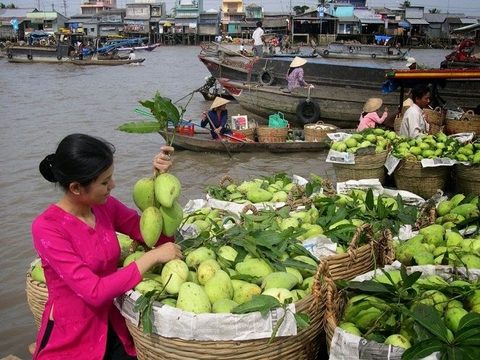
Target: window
pixel 92 29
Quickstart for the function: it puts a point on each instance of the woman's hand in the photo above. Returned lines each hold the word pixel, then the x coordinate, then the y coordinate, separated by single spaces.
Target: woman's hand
pixel 204 115
pixel 167 252
pixel 218 130
pixel 162 161
pixel 385 109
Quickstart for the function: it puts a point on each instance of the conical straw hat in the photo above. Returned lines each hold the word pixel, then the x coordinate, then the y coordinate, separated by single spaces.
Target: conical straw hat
pixel 298 61
pixel 410 62
pixel 372 104
pixel 219 101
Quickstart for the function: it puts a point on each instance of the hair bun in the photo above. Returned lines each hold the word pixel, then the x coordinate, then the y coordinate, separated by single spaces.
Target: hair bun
pixel 46 168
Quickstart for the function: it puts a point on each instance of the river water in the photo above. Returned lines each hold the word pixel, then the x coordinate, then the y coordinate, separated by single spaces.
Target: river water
pixel 41 103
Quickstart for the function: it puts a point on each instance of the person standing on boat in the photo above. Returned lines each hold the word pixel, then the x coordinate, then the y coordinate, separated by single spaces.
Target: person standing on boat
pixel 217 118
pixel 295 74
pixel 77 243
pixel 370 116
pixel 414 122
pixel 258 40
pixel 132 55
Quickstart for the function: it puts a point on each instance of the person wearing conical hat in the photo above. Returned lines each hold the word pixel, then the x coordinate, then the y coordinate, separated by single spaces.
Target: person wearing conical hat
pixel 295 74
pixel 370 116
pixel 411 63
pixel 217 118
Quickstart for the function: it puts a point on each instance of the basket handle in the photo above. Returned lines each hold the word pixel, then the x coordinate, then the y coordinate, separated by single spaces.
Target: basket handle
pixel 385 249
pixel 364 228
pixel 438 109
pixel 323 285
pixel 250 207
pixel 226 178
pixel 281 115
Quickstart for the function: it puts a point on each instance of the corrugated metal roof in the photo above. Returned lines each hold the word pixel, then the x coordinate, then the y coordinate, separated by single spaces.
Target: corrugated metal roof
pixel 367 16
pixel 15 13
pixel 348 19
pixel 467 28
pixel 418 21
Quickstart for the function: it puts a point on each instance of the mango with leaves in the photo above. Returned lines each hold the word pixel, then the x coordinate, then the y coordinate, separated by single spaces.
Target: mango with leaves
pixel 414 311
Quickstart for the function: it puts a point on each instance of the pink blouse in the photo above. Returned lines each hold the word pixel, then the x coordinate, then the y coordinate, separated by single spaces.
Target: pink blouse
pixel 370 120
pixel 80 264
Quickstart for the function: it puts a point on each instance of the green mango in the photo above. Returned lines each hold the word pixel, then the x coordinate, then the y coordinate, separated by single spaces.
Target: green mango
pixel 199 255
pixel 254 267
pixel 223 306
pixel 219 287
pixel 433 234
pixel 37 273
pixel 243 291
pixel 151 224
pixel 279 279
pixel 143 193
pixel 206 270
pixel 445 207
pixel 192 298
pixel 174 274
pixel 167 189
pixel 147 285
pixel 453 317
pixel 280 294
pixel 132 257
pixel 172 218
pixel 259 195
pixel 398 341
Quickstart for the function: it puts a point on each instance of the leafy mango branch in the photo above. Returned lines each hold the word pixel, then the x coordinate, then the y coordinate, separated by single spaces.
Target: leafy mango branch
pixel 163 111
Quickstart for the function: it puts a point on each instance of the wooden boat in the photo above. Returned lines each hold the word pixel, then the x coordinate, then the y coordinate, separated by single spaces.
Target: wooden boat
pixel 111 62
pixel 39 60
pixel 333 103
pixel 340 104
pixel 361 51
pixel 139 48
pixel 204 143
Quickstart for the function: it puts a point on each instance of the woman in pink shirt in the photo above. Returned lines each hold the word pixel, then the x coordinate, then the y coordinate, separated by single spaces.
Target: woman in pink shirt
pixel 76 241
pixel 370 116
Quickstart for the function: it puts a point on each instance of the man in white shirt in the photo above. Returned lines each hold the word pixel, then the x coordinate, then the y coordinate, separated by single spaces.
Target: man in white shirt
pixel 132 55
pixel 413 122
pixel 258 40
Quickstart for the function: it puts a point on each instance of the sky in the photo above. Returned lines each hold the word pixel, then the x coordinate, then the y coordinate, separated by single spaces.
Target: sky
pixel 468 7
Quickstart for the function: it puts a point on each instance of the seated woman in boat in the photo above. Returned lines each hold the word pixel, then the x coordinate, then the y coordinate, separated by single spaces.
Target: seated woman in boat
pixel 217 118
pixel 370 116
pixel 295 74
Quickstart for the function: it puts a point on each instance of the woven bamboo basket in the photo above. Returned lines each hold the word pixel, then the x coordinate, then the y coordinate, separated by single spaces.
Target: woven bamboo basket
pixel 249 133
pixel 37 295
pixel 271 135
pixel 318 131
pixel 303 346
pixel 467 179
pixel 411 176
pixel 469 122
pixel 365 167
pixel 435 118
pixel 329 271
pixel 358 260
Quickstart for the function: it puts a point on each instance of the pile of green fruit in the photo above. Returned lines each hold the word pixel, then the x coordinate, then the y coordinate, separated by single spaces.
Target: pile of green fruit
pixel 218 279
pixel 276 188
pixel 425 147
pixel 441 243
pixel 469 152
pixel 399 309
pixel 378 138
pixel 157 199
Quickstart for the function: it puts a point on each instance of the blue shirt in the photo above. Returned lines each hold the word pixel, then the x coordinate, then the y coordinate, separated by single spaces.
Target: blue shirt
pixel 217 122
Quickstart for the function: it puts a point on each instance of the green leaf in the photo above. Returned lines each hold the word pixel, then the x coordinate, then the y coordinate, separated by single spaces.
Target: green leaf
pixel 468 321
pixel 144 127
pixel 468 337
pixel 371 286
pixel 422 349
pixel 302 320
pixel 369 200
pixel 429 318
pixel 411 279
pixel 262 303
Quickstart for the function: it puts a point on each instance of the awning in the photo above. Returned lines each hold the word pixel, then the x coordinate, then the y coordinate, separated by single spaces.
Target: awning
pixel 404 24
pixel 468 21
pixel 344 19
pixel 467 28
pixel 418 21
pixel 371 21
pixel 167 23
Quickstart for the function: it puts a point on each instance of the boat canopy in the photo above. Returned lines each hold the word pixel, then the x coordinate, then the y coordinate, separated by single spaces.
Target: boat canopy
pixel 382 38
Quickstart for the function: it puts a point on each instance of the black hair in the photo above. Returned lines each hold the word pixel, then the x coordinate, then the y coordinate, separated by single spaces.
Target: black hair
pixel 79 158
pixel 419 91
pixel 259 24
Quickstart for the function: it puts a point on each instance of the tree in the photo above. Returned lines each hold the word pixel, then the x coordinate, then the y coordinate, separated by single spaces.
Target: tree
pixel 300 9
pixel 406 4
pixel 434 11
